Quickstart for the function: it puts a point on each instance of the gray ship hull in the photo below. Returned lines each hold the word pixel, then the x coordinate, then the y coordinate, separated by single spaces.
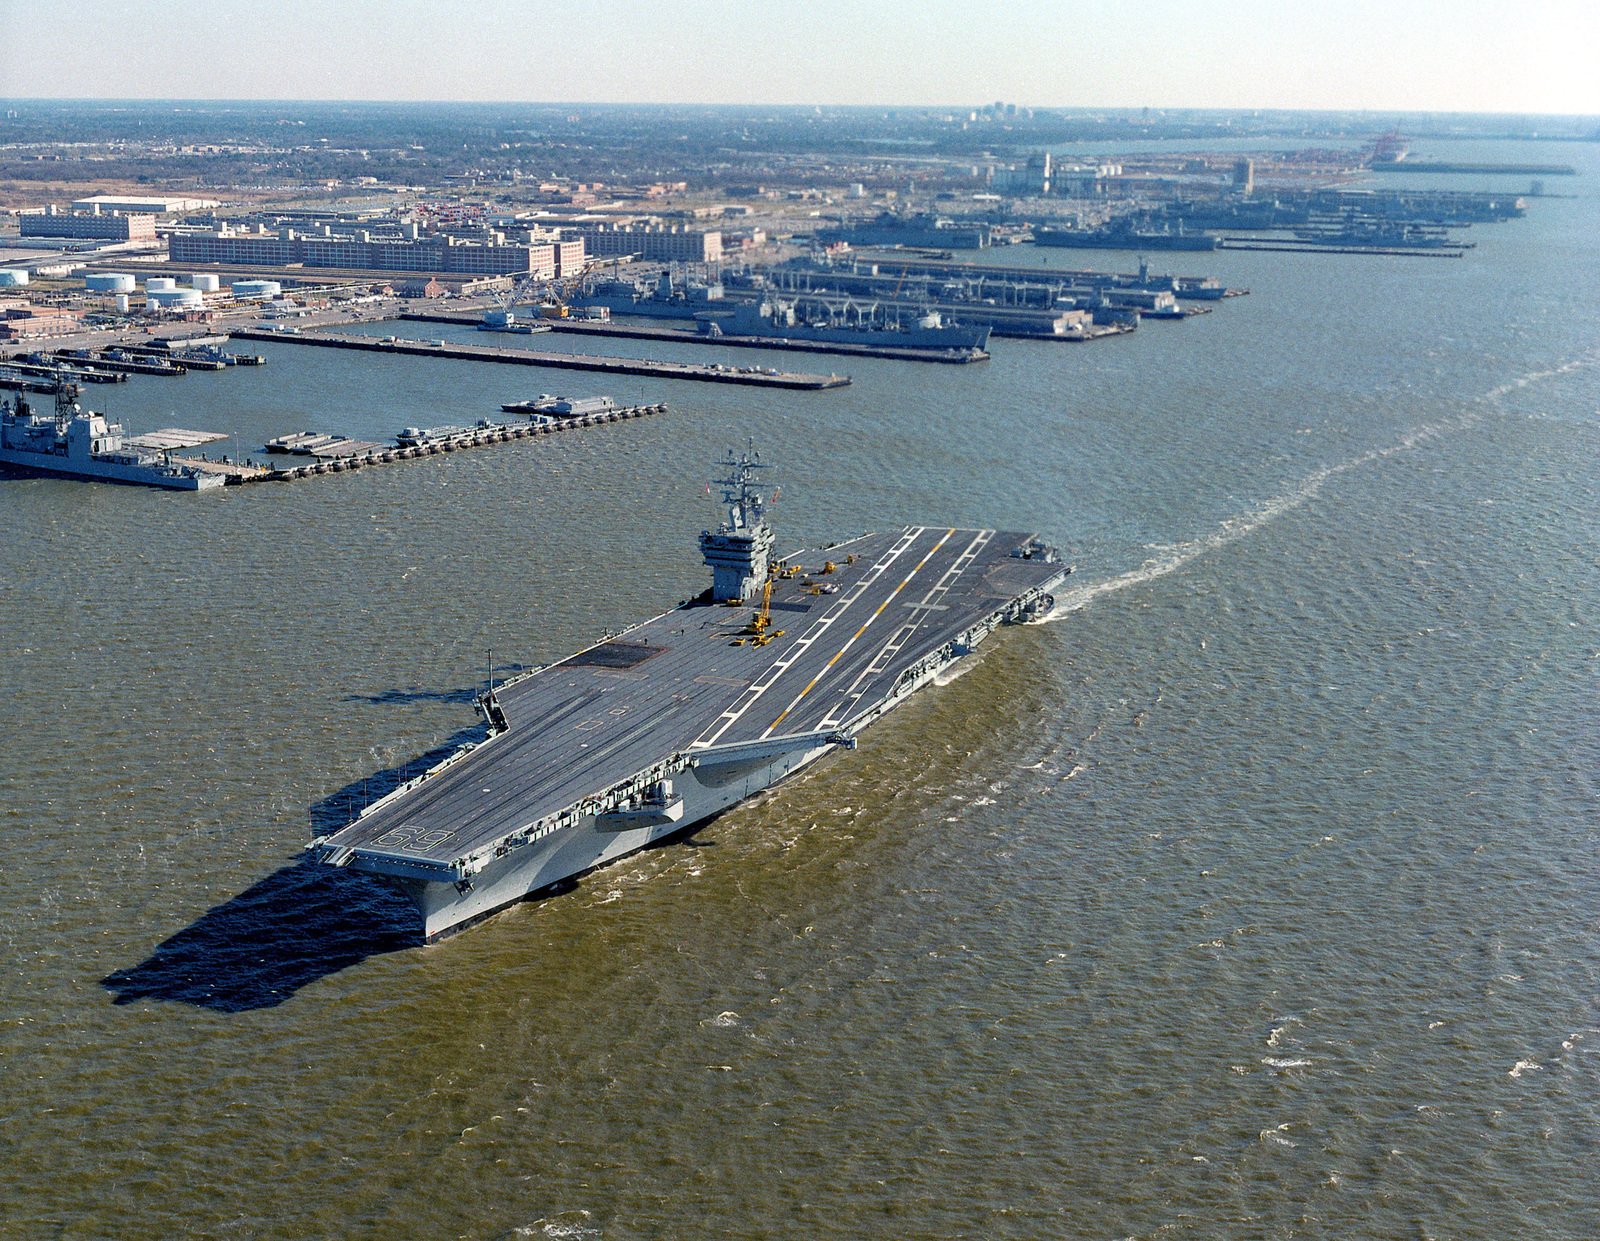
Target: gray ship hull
pixel 949 337
pixel 596 840
pixel 141 475
pixel 1122 239
pixel 649 733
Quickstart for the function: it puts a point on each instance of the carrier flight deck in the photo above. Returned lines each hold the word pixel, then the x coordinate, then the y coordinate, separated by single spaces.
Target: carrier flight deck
pixel 644 734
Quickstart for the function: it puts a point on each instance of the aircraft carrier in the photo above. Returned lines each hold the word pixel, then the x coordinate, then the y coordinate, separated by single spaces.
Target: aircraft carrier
pixel 653 730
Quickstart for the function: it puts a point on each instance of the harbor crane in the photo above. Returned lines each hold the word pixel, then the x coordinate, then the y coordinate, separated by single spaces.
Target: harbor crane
pixel 553 304
pixel 521 291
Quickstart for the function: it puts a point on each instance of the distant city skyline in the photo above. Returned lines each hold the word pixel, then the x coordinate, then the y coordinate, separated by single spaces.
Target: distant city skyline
pixel 1466 56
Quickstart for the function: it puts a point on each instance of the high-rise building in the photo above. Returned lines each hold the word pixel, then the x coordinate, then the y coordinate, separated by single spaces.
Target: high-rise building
pixel 1244 176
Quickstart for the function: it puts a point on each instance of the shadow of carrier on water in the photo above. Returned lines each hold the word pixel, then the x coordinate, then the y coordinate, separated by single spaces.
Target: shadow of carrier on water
pixel 301 924
pixel 297 926
pixel 400 697
pixel 305 921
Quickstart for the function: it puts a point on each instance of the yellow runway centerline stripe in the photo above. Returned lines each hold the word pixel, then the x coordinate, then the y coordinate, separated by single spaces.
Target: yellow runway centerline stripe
pixel 932 551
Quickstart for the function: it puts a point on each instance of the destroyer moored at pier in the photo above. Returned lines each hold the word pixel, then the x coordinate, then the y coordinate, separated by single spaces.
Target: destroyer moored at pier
pixel 79 443
pixel 647 733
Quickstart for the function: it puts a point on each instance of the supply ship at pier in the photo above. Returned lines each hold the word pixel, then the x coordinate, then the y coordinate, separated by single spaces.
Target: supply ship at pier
pixel 815 319
pixel 649 732
pixel 1122 235
pixel 778 320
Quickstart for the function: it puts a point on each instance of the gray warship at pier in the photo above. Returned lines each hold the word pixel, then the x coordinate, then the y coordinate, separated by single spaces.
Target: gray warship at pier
pixel 649 732
pixel 74 442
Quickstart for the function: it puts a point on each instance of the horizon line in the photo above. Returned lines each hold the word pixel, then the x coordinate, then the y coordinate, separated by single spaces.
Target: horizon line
pixel 923 107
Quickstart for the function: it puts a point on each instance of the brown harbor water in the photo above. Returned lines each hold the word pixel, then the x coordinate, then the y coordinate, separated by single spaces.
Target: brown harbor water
pixel 1254 896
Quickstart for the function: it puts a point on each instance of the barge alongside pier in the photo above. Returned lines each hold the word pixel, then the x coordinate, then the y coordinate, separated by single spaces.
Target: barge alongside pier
pixel 645 734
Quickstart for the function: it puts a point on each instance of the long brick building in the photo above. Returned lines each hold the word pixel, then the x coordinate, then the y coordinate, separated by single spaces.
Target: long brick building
pixel 364 251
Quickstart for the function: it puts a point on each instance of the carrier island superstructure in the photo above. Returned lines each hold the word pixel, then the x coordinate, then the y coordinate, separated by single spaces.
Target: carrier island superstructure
pixel 653 730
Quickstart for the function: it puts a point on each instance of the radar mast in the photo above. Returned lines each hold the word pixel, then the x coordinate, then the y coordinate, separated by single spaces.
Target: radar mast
pixel 739 550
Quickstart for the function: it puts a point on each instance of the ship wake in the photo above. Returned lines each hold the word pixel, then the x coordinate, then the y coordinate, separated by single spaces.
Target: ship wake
pixel 1170 558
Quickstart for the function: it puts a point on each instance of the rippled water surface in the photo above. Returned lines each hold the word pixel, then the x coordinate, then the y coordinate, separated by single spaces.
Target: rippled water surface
pixel 1253 896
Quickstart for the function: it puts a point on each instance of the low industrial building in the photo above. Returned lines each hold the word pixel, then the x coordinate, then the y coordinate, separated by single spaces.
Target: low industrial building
pixel 418 286
pixel 28 322
pixel 126 205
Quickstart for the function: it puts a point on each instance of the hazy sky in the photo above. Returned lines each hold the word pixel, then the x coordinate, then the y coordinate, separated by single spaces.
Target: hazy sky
pixel 1387 55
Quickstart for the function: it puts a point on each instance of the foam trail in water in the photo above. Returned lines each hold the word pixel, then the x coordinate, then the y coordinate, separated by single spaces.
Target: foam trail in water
pixel 1175 557
pixel 955 671
pixel 1180 554
pixel 1533 377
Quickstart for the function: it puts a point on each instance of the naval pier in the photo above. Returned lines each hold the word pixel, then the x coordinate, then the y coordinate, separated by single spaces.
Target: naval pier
pixel 655 369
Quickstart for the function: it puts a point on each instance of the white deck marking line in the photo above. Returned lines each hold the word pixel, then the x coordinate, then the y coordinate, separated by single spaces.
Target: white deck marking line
pixel 901 636
pixel 800 645
pixel 864 624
